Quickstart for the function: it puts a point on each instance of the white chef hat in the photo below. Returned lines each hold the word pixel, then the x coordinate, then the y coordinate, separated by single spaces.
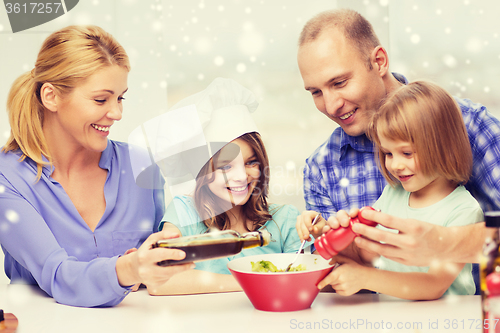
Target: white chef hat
pixel 182 140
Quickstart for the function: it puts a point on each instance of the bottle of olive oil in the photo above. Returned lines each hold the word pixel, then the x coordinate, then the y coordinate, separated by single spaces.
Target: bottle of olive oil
pixel 213 245
pixel 490 274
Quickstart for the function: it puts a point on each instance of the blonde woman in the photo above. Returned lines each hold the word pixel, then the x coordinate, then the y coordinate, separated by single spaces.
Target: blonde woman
pixel 69 205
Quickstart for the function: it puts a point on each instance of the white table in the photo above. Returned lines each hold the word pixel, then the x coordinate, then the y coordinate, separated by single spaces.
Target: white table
pixel 233 312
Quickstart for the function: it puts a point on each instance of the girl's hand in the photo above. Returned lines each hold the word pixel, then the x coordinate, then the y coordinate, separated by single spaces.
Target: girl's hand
pixel 141 266
pixel 305 228
pixel 342 219
pixel 348 278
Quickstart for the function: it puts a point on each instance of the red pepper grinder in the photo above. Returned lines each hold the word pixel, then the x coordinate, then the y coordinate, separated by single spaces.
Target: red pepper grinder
pixel 335 240
pixel 8 322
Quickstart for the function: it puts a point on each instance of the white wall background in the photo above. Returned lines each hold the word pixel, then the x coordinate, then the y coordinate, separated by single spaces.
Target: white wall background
pixel 178 47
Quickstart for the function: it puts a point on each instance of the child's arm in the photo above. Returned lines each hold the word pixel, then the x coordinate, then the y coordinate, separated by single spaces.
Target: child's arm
pixel 171 226
pixel 356 254
pixel 196 282
pixel 351 277
pixel 365 257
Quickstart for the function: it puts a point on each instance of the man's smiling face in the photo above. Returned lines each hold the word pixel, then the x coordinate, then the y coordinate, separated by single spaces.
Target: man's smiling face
pixel 342 86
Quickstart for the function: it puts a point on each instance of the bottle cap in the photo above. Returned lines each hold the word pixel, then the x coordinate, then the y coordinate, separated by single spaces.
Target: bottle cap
pixel 492 219
pixel 266 237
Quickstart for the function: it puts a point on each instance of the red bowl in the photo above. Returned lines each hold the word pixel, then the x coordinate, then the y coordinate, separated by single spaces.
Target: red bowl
pixel 281 291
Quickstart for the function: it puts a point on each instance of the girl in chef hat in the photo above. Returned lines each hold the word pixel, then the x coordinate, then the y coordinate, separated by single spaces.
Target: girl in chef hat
pixel 225 154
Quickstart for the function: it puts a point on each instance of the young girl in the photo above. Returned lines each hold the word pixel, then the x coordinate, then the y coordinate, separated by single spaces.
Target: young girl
pixel 425 156
pixel 231 188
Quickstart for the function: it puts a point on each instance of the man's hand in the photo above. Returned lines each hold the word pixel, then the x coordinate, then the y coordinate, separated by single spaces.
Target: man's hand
pixel 419 243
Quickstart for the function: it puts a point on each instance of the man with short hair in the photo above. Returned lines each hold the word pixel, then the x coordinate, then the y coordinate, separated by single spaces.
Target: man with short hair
pixel 346 70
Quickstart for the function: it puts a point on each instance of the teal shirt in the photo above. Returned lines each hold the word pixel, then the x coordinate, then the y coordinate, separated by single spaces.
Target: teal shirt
pixel 459 208
pixel 284 238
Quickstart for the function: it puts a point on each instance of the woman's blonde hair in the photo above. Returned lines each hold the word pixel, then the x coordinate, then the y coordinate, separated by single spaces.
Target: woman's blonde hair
pixel 428 117
pixel 256 209
pixel 66 58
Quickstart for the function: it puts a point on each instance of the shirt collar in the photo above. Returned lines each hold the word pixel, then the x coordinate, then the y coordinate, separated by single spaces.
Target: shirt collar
pixel 360 143
pixel 400 78
pixel 106 157
pixel 47 169
pixel 104 162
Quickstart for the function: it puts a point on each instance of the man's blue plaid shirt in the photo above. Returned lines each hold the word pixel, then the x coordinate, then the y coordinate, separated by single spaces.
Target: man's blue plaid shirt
pixel 343 173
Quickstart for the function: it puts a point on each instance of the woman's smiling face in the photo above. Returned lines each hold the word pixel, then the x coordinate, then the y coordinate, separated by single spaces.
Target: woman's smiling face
pixel 85 115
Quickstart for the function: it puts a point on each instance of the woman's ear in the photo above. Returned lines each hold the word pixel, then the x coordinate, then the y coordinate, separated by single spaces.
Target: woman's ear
pixel 49 97
pixel 380 60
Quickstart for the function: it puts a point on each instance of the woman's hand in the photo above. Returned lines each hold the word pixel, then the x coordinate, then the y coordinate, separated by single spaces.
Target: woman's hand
pixel 141 266
pixel 136 286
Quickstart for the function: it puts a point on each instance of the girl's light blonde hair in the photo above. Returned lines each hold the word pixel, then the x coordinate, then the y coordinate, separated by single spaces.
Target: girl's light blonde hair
pixel 425 115
pixel 66 58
